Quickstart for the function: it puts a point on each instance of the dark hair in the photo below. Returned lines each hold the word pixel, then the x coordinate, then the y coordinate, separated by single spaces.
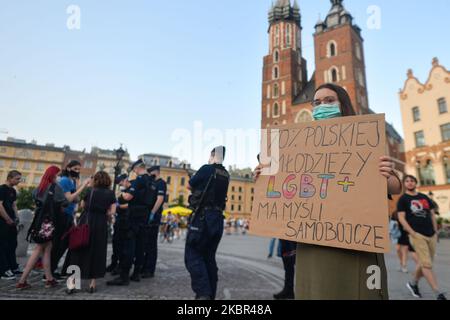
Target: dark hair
pixel 102 180
pixel 71 164
pixel 12 174
pixel 343 97
pixel 408 176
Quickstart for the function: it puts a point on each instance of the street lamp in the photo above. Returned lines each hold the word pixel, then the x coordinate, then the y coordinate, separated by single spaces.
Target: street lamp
pixel 120 153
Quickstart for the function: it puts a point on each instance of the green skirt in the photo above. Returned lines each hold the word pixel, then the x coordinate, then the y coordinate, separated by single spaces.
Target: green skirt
pixel 325 273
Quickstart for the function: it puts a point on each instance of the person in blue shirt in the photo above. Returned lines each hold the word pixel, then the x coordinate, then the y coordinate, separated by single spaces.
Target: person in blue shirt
pixel 68 183
pixel 151 245
pixel 209 188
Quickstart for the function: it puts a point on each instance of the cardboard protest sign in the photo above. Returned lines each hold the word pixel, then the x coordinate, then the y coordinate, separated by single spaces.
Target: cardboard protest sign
pixel 322 184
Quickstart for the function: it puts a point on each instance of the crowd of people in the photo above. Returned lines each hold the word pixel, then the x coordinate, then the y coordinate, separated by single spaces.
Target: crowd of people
pixel 57 231
pixel 236 226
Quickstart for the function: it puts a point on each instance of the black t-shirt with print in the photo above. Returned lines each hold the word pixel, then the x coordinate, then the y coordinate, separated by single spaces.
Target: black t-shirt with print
pixel 8 195
pixel 418 213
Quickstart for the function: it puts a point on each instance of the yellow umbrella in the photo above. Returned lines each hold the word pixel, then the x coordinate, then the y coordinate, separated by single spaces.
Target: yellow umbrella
pixel 178 211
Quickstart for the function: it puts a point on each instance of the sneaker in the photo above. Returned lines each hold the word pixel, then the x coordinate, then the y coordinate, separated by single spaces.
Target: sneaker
pixel 6 276
pixel 51 284
pixel 441 297
pixel 414 289
pixel 23 286
pixel 404 270
pixel 9 273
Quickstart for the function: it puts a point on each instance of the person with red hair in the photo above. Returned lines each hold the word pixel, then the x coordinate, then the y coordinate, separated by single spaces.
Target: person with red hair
pixel 50 201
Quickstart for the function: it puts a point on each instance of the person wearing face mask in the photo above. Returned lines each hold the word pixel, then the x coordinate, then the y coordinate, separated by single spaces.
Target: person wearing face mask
pixel 121 226
pixel 209 188
pixel 68 183
pixel 152 230
pixel 327 273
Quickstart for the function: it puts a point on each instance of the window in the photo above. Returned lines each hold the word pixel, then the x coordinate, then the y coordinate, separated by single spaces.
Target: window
pixel 426 174
pixel 276 56
pixel 420 139
pixel 276 110
pixel 43 154
pixel 239 208
pixel 24 179
pixel 447 168
pixel 275 90
pixel 13 164
pixel 334 75
pixel 358 51
pixel 304 116
pixel 445 130
pixel 3 150
pixel 277 35
pixel 169 179
pixel 442 105
pixel 288 35
pixel 331 49
pixel 253 190
pixel 240 189
pixel 232 197
pixel 275 73
pixel 240 198
pixel 232 207
pixel 416 114
pixel 26 166
pixel 2 163
pixel 40 167
pixel 232 189
pixel 183 181
pixel 37 180
pixel 88 164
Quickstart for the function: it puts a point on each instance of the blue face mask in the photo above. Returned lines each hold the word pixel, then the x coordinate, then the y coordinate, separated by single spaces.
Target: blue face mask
pixel 327 111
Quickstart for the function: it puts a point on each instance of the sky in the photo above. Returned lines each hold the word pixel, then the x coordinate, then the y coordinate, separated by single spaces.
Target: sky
pixel 176 77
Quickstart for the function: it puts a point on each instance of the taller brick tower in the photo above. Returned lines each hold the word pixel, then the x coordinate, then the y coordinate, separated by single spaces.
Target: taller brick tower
pixel 284 71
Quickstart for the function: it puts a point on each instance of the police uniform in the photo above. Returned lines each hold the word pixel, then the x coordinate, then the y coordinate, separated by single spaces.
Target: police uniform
pixel 152 230
pixel 206 230
pixel 134 245
pixel 121 228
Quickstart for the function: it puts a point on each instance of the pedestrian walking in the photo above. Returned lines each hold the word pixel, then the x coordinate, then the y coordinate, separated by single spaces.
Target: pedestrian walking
pixel 50 202
pixel 416 214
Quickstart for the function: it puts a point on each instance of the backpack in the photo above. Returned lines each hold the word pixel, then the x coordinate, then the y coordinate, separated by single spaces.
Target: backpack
pixel 42 228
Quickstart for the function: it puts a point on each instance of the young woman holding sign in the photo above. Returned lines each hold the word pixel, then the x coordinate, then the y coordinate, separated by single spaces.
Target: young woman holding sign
pixel 326 273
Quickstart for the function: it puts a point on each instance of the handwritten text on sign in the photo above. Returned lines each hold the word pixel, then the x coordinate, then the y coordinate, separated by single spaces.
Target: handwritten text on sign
pixel 326 189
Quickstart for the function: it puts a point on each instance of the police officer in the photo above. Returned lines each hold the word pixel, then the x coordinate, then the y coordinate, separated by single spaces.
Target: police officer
pixel 151 237
pixel 121 226
pixel 209 188
pixel 138 206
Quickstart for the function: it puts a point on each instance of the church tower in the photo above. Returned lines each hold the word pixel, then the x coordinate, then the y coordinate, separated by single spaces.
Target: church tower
pixel 284 71
pixel 339 55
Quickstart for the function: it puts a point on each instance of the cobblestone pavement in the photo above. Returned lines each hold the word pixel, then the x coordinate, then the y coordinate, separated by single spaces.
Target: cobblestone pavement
pixel 245 274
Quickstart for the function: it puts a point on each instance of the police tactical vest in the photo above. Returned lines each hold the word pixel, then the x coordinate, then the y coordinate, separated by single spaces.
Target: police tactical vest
pixel 216 195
